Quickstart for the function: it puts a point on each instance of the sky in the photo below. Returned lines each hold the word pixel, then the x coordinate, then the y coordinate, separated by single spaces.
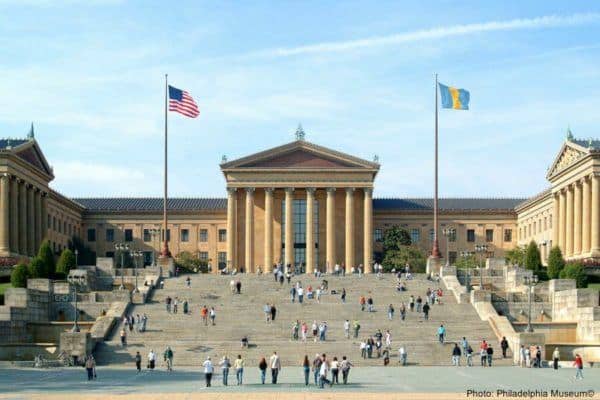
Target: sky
pixel 358 76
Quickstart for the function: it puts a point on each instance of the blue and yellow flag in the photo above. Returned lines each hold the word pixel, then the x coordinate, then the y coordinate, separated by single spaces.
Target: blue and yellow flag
pixel 455 98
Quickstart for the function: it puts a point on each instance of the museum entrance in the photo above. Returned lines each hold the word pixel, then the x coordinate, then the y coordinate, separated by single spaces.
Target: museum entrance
pixel 299 220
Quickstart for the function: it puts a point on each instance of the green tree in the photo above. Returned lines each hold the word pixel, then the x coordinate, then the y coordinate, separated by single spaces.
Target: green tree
pixel 47 258
pixel 394 238
pixel 533 259
pixel 405 254
pixel 85 255
pixel 576 271
pixel 466 262
pixel 19 275
pixel 37 268
pixel 66 262
pixel 190 262
pixel 516 256
pixel 556 262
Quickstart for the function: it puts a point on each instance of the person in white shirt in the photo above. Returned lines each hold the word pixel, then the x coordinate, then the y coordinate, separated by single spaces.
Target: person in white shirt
pixel 151 359
pixel 335 370
pixel 275 365
pixel 208 370
pixel 300 291
pixel 323 372
pixel 403 355
pixel 347 329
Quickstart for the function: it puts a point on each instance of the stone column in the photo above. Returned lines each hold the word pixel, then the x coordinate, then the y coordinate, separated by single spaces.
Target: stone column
pixel 44 217
pixel 349 245
pixel 562 221
pixel 4 214
pixel 249 244
pixel 577 218
pixel 268 267
pixel 289 227
pixel 368 230
pixel 14 216
pixel 39 223
pixel 555 219
pixel 22 218
pixel 595 228
pixel 569 223
pixel 30 221
pixel 310 230
pixel 585 217
pixel 330 230
pixel 231 215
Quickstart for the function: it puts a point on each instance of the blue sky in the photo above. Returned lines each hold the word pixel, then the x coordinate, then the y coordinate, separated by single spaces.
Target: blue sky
pixel 357 75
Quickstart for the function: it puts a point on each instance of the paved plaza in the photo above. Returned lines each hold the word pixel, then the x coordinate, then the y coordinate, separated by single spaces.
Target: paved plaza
pixel 381 382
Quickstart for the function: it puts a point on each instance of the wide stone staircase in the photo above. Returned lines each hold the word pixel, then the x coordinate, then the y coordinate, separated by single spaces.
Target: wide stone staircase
pixel 242 315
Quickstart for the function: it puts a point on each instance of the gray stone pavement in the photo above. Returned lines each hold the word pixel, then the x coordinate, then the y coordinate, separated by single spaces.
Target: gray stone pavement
pixel 21 383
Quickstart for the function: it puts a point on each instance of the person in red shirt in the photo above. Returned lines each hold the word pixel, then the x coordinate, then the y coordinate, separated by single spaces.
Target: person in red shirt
pixel 484 345
pixel 578 363
pixel 204 314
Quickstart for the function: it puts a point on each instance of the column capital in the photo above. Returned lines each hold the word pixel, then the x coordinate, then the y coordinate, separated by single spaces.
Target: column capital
pixel 350 190
pixel 289 190
pixel 4 175
pixel 330 190
pixel 368 190
pixel 269 190
pixel 231 190
pixel 250 190
pixel 311 190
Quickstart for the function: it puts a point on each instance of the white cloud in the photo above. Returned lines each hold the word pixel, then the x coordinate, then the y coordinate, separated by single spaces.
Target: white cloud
pixel 548 21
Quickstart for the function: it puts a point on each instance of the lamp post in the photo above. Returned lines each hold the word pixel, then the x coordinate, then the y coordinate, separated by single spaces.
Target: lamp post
pixel 75 281
pixel 448 232
pixel 122 248
pixel 76 258
pixel 481 249
pixel 136 255
pixel 466 254
pixel 530 282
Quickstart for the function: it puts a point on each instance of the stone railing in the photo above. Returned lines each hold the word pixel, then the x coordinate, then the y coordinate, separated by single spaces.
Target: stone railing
pixel 448 275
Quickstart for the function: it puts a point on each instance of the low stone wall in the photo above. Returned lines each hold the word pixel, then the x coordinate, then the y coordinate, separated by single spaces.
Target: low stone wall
pixel 448 275
pixel 579 305
pixel 104 324
pixel 517 311
pixel 27 351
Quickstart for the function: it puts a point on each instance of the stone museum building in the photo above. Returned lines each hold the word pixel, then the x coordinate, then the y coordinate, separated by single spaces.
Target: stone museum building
pixel 301 204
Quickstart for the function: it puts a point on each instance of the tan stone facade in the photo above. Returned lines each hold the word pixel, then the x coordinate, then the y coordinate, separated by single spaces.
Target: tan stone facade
pixel 299 204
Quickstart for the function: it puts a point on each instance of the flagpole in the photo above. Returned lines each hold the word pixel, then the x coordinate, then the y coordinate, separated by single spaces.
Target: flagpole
pixel 435 252
pixel 165 249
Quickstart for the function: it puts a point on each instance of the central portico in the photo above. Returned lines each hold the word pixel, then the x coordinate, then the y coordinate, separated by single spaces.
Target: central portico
pixel 299 204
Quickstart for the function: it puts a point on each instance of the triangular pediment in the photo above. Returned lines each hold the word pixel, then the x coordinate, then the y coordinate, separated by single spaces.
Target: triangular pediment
pixel 31 153
pixel 569 154
pixel 300 155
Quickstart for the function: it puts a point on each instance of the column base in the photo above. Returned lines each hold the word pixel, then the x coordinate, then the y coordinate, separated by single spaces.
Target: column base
pixel 434 264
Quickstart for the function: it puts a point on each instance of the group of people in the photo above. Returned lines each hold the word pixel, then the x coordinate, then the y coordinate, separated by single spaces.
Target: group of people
pixel 379 343
pixel 274 364
pixel 172 305
pixel 168 356
pixel 322 368
pixel 131 323
pixel 486 353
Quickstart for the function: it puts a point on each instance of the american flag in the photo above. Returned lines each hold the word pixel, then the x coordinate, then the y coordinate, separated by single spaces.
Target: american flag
pixel 180 101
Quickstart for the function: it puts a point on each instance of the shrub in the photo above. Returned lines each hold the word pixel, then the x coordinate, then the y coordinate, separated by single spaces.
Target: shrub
pixel 405 254
pixel 556 262
pixel 575 271
pixel 515 256
pixel 37 268
pixel 466 262
pixel 47 258
pixel 66 262
pixel 19 275
pixel 189 262
pixel 533 259
pixel 394 238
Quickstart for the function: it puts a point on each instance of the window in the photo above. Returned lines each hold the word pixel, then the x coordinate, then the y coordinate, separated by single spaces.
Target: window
pixel 550 221
pixel 534 228
pixel 222 260
pixel 59 226
pixel 378 235
pixel 489 235
pixel 203 256
pixel 49 221
pixel 203 236
pixel 508 235
pixel 91 235
pixel 54 223
pixel 147 236
pixel 452 236
pixel 110 235
pixel 415 235
pixel 452 257
pixel 222 235
pixel 185 235
pixel 431 235
pixel 129 235
pixel 470 235
pixel 65 227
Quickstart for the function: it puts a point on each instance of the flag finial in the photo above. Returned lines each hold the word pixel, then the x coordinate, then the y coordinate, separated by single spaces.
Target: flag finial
pixel 223 159
pixel 376 158
pixel 300 135
pixel 569 133
pixel 31 133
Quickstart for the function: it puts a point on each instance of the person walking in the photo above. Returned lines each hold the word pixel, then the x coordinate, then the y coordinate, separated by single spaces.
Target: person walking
pixel 315 330
pixel 212 315
pixel 402 312
pixel 483 356
pixel 267 311
pixel 469 355
pixel 175 304
pixel 522 357
pixel 204 315
pixel 123 337
pixel 390 312
pixel 343 296
pixel 347 329
pixel 324 372
pixel 151 360
pixel 168 358
pixel 186 307
pixel 335 370
pixel 293 294
pixel 441 333
pixel 300 294
pixel 306 369
pixel 356 327
pixel 90 367
pixel 411 303
pixel 273 312
pixel 225 364
pixel 456 353
pixel 403 355
pixel 578 363
pixel 538 357
pixel 555 358
pixel 275 364
pixel 345 366
pixel 504 346
pixel 362 301
pixel 262 366
pixel 370 304
pixel 388 340
pixel 490 355
pixel 419 302
pixel 426 311
pixel 208 370
pixel 138 361
pixel 316 364
pixel 304 331
pixel 238 365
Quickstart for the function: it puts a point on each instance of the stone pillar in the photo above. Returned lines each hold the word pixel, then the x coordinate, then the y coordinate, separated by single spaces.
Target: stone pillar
pixel 330 230
pixel 39 223
pixel 310 230
pixel 14 216
pixel 4 214
pixel 349 245
pixel 577 231
pixel 595 228
pixel 368 230
pixel 585 217
pixel 569 223
pixel 249 243
pixel 231 215
pixel 562 221
pixel 30 221
pixel 289 227
pixel 268 267
pixel 555 219
pixel 22 218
